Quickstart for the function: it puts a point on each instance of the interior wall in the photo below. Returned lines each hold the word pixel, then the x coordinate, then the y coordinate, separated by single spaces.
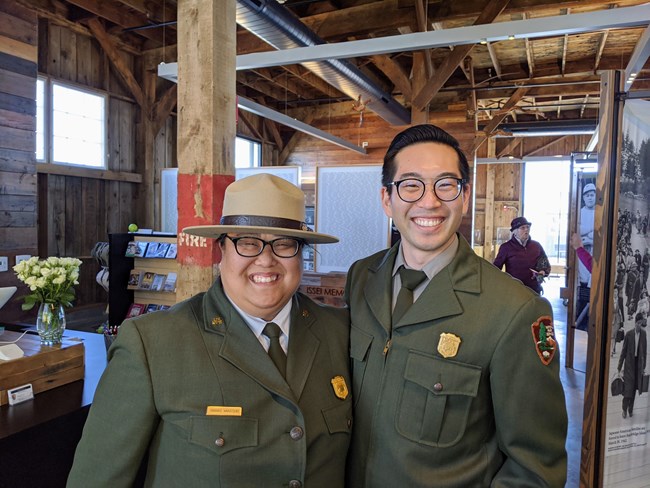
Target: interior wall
pixel 18 189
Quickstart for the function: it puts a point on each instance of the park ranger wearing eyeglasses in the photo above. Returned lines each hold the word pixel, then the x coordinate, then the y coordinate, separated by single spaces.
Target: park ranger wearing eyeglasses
pixel 455 366
pixel 243 386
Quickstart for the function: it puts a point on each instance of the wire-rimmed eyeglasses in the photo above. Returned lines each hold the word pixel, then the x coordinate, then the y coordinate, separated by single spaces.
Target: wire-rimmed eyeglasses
pixel 282 247
pixel 446 189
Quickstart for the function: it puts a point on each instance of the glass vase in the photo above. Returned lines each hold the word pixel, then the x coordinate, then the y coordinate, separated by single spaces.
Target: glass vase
pixel 50 323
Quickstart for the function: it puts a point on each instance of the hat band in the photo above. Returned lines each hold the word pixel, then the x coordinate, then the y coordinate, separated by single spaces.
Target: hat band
pixel 259 221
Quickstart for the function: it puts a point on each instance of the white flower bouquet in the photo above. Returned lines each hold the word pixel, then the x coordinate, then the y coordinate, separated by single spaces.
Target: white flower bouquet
pixel 50 280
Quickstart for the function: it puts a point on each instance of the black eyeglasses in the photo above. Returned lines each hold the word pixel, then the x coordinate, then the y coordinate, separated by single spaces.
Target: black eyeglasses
pixel 446 189
pixel 282 247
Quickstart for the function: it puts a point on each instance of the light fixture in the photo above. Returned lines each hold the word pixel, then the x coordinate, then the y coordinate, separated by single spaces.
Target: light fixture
pixel 511 37
pixel 483 41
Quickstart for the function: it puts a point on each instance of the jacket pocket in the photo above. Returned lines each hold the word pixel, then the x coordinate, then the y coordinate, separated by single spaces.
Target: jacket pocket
pixel 359 346
pixel 435 401
pixel 339 418
pixel 223 434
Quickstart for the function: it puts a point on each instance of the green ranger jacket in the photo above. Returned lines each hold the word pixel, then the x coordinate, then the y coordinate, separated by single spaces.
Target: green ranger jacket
pixel 166 368
pixel 460 396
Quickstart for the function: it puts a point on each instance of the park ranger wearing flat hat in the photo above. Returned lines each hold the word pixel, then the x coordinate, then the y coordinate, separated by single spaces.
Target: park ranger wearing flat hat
pixel 246 385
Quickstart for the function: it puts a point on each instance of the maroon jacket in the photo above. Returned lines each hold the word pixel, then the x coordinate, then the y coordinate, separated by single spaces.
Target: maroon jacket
pixel 519 261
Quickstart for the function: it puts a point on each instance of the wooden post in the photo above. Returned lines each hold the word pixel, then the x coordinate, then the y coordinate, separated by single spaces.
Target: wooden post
pixel 206 132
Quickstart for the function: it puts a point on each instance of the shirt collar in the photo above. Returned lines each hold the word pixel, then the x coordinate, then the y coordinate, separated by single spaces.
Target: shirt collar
pixel 435 265
pixel 257 324
pixel 523 243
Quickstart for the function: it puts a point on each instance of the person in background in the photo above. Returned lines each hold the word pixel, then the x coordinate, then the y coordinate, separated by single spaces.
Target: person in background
pixel 586 228
pixel 618 321
pixel 245 385
pixel 583 255
pixel 523 257
pixel 436 333
pixel 633 357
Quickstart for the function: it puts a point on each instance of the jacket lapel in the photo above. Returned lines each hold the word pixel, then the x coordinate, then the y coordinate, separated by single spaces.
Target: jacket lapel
pixel 303 346
pixel 238 344
pixel 379 288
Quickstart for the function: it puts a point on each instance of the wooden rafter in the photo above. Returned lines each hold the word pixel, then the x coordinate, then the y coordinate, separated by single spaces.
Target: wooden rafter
pixel 119 16
pixel 155 13
pixel 288 83
pixel 565 44
pixel 163 107
pixel 544 146
pixel 395 73
pixel 601 48
pixel 249 123
pixel 529 54
pixel 293 142
pixel 584 106
pixel 497 119
pixel 510 147
pixel 121 69
pixel 455 57
pixel 495 60
pixel 313 80
pixel 272 127
pixel 422 21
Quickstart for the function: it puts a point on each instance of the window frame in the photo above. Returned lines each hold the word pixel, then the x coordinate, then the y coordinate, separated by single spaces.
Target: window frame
pixel 48 122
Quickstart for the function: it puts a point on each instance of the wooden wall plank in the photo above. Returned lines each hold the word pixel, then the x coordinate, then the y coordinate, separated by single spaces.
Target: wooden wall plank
pixel 22 140
pixel 68 55
pixel 19 30
pixel 54 51
pixel 17 121
pixel 24 239
pixel 19 49
pixel 56 215
pixel 73 212
pixel 12 218
pixel 18 104
pixel 18 203
pixel 17 65
pixel 17 184
pixel 17 84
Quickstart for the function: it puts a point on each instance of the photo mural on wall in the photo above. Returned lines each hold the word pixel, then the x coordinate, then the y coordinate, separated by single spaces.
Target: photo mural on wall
pixel 627 449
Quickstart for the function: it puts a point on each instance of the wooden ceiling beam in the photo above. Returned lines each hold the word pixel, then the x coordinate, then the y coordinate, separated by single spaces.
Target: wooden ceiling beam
pixel 497 119
pixel 289 85
pixel 118 16
pixel 510 147
pixel 244 117
pixel 163 107
pixel 395 73
pixel 271 91
pixel 544 146
pixel 293 142
pixel 153 11
pixel 495 60
pixel 121 69
pixel 272 127
pixel 455 57
pixel 422 21
pixel 529 54
pixel 315 81
pixel 601 48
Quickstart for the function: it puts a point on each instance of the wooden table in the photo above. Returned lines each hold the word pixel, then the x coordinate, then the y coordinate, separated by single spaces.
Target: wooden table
pixel 38 438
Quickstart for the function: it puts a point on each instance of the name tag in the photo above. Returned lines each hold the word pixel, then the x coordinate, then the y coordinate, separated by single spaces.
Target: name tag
pixel 223 411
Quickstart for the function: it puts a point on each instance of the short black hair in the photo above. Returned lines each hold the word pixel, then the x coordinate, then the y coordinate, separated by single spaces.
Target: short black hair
pixel 415 135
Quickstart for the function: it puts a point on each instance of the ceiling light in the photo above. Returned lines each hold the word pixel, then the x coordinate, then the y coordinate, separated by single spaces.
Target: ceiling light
pixel 483 41
pixel 511 37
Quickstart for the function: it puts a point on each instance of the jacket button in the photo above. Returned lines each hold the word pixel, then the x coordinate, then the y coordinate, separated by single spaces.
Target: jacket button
pixel 296 433
pixel 437 387
pixel 295 484
pixel 220 442
pixel 349 423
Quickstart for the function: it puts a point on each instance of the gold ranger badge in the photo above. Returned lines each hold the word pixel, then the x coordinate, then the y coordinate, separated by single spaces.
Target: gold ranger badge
pixel 448 345
pixel 340 388
pixel 217 321
pixel 544 339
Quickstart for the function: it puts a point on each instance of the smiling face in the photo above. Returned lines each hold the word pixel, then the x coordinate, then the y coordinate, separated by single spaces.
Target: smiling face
pixel 261 285
pixel 428 225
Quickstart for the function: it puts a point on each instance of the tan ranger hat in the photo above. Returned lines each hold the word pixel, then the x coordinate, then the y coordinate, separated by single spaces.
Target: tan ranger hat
pixel 263 204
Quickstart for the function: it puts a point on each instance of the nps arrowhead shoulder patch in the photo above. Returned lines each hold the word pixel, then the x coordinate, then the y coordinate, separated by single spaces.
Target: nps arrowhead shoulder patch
pixel 544 339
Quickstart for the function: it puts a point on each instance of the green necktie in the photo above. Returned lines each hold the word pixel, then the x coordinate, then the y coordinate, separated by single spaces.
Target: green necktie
pixel 273 332
pixel 411 278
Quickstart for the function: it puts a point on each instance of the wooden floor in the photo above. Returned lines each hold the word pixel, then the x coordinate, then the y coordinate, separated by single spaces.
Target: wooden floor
pixel 573 379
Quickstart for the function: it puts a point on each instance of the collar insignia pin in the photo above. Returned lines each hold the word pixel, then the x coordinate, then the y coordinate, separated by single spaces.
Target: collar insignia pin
pixel 217 321
pixel 340 388
pixel 448 345
pixel 305 313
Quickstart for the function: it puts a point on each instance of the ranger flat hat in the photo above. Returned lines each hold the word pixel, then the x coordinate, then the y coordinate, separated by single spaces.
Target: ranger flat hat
pixel 263 204
pixel 588 187
pixel 518 222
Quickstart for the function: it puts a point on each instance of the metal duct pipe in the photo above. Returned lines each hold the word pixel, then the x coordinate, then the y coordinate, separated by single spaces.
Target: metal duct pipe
pixel 277 26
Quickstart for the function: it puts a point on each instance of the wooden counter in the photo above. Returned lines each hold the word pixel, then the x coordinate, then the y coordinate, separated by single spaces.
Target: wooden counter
pixel 38 437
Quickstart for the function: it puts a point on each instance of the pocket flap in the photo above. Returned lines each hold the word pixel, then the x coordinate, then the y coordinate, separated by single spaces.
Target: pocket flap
pixel 359 344
pixel 339 417
pixel 442 376
pixel 223 434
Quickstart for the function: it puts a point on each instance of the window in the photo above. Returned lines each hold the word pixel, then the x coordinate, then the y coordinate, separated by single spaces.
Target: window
pixel 70 125
pixel 247 153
